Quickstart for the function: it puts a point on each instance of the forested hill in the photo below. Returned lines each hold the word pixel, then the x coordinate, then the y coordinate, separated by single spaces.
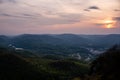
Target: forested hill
pixel 15 66
pixel 62 39
pixel 70 45
pixel 107 65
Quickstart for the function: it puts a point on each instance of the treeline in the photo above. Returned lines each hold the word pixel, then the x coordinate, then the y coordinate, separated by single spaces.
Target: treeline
pixel 106 66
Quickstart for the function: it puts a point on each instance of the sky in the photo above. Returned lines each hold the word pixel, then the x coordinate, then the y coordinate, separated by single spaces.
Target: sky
pixel 59 16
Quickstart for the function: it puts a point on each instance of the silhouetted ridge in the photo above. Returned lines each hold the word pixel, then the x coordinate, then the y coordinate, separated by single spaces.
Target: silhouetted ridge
pixel 107 66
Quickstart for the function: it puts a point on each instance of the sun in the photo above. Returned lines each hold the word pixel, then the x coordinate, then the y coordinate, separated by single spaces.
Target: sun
pixel 109 24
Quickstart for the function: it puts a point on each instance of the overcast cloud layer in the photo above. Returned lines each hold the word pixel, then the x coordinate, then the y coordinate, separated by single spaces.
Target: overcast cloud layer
pixel 58 16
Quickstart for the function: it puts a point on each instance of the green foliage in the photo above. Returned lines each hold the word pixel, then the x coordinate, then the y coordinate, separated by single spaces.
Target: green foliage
pixel 60 69
pixel 69 67
pixel 24 65
pixel 13 67
pixel 18 65
pixel 53 57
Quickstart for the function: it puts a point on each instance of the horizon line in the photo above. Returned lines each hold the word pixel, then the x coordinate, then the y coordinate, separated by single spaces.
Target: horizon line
pixel 56 34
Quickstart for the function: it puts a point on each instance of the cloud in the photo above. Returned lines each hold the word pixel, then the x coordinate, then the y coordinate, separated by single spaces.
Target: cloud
pixel 27 15
pixel 116 10
pixel 116 18
pixel 4 14
pixel 30 5
pixel 41 19
pixel 17 16
pixel 101 24
pixel 71 17
pixel 94 7
pixel 8 15
pixel 11 1
pixel 86 10
pixel 42 13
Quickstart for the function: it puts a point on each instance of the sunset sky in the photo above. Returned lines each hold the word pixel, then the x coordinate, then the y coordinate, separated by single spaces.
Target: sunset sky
pixel 59 16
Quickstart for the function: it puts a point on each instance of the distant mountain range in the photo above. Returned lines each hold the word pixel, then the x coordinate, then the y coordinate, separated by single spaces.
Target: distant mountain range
pixel 61 43
pixel 26 40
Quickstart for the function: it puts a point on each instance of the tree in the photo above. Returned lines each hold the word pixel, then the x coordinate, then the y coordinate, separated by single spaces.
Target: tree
pixel 107 66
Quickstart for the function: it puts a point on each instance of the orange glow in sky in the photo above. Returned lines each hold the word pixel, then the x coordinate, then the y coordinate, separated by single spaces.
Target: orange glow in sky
pixel 109 24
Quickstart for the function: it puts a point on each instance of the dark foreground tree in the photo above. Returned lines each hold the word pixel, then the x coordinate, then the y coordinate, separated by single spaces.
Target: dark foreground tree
pixel 107 66
pixel 14 68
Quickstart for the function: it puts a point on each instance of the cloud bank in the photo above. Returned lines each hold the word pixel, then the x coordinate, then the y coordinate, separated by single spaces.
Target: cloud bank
pixel 52 15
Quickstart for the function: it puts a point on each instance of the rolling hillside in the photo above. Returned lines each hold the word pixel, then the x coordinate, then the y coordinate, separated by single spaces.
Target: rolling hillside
pixel 71 45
